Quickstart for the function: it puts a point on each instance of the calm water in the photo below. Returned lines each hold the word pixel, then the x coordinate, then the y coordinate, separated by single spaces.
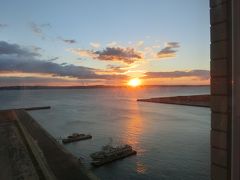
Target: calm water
pixel 172 141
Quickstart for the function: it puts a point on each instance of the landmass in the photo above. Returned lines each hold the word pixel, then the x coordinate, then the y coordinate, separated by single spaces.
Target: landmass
pixel 90 87
pixel 193 100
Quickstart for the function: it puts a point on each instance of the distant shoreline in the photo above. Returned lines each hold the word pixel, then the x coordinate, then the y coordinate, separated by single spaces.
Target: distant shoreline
pixel 193 100
pixel 89 87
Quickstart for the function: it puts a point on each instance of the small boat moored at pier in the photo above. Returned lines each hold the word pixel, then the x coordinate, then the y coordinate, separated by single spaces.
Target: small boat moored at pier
pixel 110 153
pixel 76 137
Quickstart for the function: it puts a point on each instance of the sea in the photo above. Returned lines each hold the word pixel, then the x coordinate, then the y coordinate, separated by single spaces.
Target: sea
pixel 172 141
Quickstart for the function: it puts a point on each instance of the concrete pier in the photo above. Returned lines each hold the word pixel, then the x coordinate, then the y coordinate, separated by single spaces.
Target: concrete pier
pixel 29 152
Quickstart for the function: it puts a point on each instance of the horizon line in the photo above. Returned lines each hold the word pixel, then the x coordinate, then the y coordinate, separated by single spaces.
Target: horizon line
pixel 91 86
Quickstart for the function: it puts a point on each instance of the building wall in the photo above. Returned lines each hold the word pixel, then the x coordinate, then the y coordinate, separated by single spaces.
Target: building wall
pixel 221 70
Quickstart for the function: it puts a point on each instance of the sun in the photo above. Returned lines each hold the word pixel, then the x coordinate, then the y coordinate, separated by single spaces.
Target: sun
pixel 134 82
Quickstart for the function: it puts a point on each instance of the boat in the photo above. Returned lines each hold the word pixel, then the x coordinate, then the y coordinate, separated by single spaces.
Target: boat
pixel 76 137
pixel 110 153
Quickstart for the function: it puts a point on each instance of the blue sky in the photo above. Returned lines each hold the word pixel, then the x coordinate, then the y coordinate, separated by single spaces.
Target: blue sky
pixel 86 32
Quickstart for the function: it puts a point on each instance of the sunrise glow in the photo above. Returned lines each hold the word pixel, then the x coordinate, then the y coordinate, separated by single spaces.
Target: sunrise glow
pixel 148 54
pixel 134 82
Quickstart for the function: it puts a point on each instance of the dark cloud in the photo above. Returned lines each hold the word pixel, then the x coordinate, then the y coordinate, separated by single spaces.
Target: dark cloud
pixel 63 64
pixel 53 59
pixel 25 61
pixel 14 49
pixel 201 74
pixel 173 44
pixel 69 41
pixel 41 66
pixel 125 55
pixel 169 50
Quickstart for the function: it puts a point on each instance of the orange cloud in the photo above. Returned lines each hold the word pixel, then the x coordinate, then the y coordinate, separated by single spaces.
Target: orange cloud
pixel 196 73
pixel 176 81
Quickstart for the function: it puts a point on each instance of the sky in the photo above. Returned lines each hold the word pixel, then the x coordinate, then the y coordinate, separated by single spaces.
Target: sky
pixel 107 42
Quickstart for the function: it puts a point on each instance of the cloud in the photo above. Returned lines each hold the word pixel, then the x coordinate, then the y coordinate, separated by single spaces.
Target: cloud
pixel 42 81
pixel 169 51
pixel 125 55
pixel 172 44
pixel 116 69
pixel 14 58
pixel 14 49
pixel 36 49
pixel 140 43
pixel 200 74
pixel 46 25
pixel 53 59
pixel 95 45
pixel 69 41
pixel 112 44
pixel 40 66
pixel 37 29
pixel 84 53
pixel 3 26
pixel 63 64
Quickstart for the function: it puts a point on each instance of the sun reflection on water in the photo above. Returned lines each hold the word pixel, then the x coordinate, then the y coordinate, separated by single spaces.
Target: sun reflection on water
pixel 134 129
pixel 141 168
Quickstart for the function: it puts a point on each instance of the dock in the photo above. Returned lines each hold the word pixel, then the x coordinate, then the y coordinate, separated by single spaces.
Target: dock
pixel 30 152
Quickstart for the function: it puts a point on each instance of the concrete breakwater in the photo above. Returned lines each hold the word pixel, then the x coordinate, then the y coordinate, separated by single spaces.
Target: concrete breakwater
pixel 193 100
pixel 29 152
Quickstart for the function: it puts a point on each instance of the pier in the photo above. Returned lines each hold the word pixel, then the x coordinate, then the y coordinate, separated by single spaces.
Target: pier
pixel 193 100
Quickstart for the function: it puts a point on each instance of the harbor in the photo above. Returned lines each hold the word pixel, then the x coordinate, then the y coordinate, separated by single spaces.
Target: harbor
pixel 147 127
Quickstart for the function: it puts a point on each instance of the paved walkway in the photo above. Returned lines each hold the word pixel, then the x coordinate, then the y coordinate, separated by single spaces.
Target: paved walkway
pixel 15 162
pixel 60 162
